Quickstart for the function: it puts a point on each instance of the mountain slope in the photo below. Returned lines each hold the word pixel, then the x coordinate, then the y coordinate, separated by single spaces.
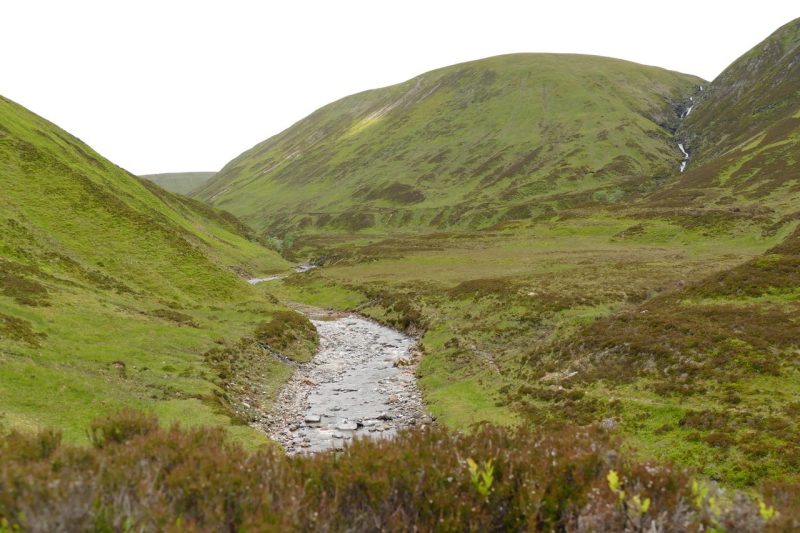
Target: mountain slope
pixel 180 182
pixel 468 145
pixel 112 289
pixel 744 132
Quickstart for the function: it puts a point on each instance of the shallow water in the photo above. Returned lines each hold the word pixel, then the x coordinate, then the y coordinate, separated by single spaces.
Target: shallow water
pixel 357 385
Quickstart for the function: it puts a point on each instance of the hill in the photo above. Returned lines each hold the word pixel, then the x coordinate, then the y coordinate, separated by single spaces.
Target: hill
pixel 465 146
pixel 180 182
pixel 668 315
pixel 115 292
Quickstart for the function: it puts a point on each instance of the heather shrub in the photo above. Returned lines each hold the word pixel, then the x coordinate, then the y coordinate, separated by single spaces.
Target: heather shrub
pixel 121 427
pixel 289 332
pixel 143 478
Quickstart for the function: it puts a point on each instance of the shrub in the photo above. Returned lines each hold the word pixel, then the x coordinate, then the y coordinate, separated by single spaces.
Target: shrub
pixel 20 330
pixel 289 331
pixel 122 427
pixel 182 319
pixel 154 479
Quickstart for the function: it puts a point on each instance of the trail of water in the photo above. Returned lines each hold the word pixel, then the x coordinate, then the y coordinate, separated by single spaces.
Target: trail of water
pixel 303 267
pixel 683 116
pixel 685 156
pixel 360 383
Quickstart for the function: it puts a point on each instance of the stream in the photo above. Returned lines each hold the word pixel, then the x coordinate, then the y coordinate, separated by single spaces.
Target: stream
pixel 361 383
pixel 303 267
pixel 682 117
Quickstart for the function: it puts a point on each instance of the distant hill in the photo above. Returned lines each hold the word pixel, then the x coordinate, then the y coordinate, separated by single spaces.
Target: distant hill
pixel 180 182
pixel 502 138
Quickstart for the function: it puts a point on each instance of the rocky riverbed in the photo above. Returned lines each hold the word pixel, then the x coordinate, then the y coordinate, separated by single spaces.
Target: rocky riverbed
pixel 360 383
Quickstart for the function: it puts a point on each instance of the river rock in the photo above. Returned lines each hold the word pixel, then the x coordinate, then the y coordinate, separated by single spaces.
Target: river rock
pixel 312 419
pixel 347 425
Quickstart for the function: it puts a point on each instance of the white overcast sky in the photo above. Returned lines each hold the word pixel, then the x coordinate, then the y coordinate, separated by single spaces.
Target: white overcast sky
pixel 170 86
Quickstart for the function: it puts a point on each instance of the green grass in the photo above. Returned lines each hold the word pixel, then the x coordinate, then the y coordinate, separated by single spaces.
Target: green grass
pixel 525 216
pixel 521 214
pixel 743 134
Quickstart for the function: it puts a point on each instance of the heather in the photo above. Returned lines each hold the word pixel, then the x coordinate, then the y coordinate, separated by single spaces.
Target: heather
pixel 136 476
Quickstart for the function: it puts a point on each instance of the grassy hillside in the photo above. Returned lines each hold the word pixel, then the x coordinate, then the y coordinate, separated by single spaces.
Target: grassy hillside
pixel 180 182
pixel 465 146
pixel 115 292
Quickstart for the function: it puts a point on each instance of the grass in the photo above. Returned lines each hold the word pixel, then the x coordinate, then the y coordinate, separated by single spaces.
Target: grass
pixel 506 316
pixel 521 215
pixel 581 279
pixel 101 354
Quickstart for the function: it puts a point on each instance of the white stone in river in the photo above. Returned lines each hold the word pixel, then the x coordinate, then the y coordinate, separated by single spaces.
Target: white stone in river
pixel 346 425
pixel 312 419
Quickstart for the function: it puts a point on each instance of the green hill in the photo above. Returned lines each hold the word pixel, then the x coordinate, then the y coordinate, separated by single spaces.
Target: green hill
pixel 180 182
pixel 112 289
pixel 662 303
pixel 465 146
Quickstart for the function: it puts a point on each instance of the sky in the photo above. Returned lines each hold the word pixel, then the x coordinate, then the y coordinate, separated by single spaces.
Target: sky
pixel 173 86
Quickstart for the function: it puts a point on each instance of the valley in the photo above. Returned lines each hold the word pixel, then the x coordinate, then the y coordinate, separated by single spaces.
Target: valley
pixel 504 317
pixel 550 292
pixel 117 294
